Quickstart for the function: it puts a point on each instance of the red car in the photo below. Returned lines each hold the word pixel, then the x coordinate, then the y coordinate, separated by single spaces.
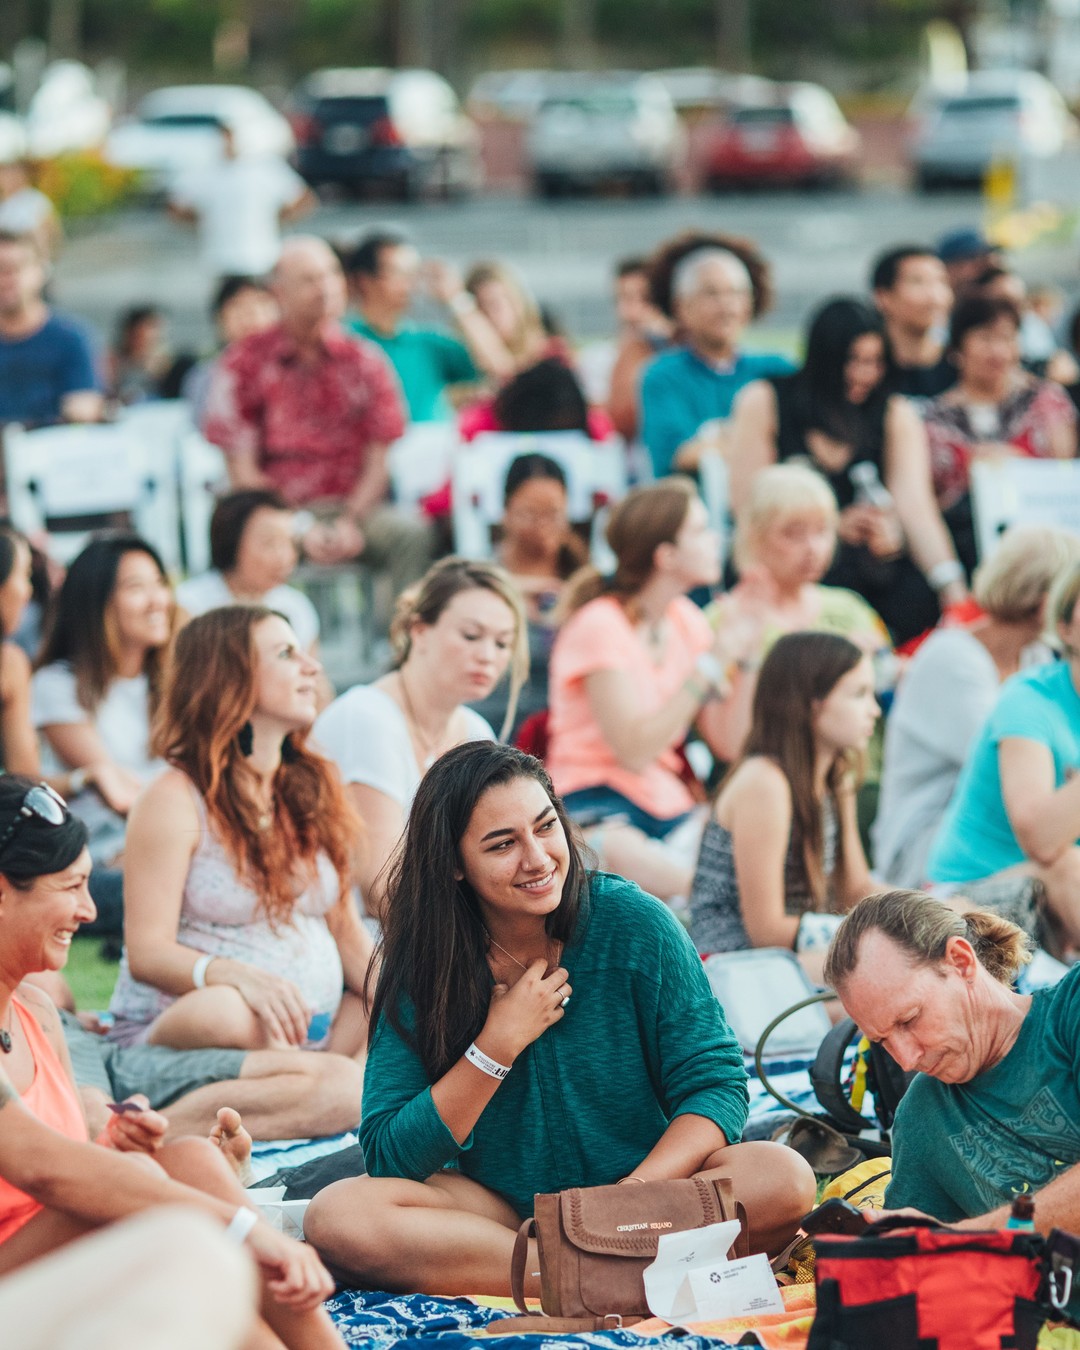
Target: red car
pixel 798 138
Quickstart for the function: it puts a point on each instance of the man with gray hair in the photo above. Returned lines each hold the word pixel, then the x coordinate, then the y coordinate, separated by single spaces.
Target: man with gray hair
pixel 309 410
pixel 994 1108
pixel 688 390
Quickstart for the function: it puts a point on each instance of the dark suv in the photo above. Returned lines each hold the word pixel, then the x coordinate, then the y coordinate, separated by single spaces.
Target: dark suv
pixel 402 130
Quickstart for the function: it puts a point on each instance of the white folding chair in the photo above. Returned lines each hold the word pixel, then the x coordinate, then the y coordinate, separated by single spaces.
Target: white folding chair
pixel 1016 491
pixel 421 462
pixel 73 480
pixel 595 479
pixel 201 478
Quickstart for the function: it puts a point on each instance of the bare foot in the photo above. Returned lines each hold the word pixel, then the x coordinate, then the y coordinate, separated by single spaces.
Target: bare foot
pixel 235 1142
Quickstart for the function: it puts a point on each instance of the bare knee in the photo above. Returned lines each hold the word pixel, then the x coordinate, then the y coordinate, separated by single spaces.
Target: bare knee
pixel 198 1163
pixel 350 1223
pixel 217 1016
pixel 336 1089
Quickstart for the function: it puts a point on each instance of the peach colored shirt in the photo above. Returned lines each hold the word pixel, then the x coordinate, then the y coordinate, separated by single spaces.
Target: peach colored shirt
pixel 600 636
pixel 52 1098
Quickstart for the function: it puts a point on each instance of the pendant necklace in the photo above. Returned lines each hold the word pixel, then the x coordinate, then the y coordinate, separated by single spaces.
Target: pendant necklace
pixel 430 748
pixel 5 1037
pixel 524 967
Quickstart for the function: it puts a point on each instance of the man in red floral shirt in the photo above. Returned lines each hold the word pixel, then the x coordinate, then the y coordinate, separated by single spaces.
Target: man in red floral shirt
pixel 309 410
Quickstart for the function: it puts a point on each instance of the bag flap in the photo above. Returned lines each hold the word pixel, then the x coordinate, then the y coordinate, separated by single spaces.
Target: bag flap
pixel 630 1220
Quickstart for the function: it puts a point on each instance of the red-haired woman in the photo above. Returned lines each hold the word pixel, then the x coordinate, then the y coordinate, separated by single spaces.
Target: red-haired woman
pixel 240 927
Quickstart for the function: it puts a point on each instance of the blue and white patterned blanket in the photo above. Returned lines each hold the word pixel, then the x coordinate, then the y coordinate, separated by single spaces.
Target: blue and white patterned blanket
pixel 420 1322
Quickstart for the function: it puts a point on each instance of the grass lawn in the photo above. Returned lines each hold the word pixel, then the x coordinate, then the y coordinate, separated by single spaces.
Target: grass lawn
pixel 90 977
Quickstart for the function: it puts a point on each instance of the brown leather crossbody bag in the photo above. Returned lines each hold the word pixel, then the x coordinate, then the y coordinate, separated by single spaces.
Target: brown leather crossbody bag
pixel 595 1242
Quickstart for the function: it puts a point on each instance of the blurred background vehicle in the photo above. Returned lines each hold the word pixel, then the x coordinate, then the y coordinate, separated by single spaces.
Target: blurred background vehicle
pixel 402 130
pixel 596 129
pixel 179 128
pixel 66 112
pixel 795 136
pixel 959 130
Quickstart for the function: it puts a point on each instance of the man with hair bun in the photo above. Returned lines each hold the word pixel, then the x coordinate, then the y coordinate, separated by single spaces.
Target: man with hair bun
pixel 994 1109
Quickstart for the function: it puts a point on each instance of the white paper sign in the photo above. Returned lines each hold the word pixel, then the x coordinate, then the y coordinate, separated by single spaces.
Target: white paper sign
pixel 692 1279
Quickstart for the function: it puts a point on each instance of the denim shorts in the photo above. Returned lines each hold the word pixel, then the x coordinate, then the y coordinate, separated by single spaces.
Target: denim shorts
pixel 595 804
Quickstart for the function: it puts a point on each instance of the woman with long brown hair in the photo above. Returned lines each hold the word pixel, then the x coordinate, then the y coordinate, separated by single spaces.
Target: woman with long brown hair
pixel 635 665
pixel 240 927
pixel 783 840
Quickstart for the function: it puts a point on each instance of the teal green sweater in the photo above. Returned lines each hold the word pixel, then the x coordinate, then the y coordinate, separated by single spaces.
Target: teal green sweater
pixel 643 1041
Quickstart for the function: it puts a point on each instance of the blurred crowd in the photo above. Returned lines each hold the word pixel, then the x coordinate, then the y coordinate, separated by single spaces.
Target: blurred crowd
pixel 860 690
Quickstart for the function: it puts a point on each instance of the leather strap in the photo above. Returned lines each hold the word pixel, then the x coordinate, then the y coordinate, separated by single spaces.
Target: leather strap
pixel 532 1322
pixel 517 1265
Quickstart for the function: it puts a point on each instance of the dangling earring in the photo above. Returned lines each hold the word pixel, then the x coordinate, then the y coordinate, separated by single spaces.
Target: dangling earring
pixel 289 752
pixel 245 739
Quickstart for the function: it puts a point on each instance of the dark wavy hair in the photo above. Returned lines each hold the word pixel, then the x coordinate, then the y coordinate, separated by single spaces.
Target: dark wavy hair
pixel 434 983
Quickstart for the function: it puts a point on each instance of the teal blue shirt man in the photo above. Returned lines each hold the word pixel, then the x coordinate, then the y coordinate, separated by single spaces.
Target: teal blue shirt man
pixel 385 273
pixel 427 362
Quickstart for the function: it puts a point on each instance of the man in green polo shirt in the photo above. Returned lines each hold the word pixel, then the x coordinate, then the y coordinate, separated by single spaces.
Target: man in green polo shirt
pixel 384 273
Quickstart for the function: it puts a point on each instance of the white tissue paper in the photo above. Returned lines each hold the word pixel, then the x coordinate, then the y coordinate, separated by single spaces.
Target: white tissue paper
pixel 285 1216
pixel 692 1279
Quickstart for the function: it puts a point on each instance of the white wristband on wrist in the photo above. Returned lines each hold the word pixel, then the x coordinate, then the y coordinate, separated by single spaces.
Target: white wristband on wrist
pixel 241 1224
pixel 199 969
pixel 485 1064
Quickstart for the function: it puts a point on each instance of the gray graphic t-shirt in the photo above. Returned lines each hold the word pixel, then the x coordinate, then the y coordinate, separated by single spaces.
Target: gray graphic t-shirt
pixel 963 1149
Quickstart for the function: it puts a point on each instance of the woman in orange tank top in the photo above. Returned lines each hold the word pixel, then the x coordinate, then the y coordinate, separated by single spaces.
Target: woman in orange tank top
pixel 55 1185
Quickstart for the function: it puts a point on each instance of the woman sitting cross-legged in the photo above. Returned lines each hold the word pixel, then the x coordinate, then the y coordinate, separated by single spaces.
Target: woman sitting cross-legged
pixel 240 925
pixel 55 1185
pixel 535 1027
pixel 783 840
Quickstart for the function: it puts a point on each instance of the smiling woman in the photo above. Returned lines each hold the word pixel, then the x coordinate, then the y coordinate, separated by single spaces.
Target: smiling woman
pixel 55 1185
pixel 241 930
pixel 535 1027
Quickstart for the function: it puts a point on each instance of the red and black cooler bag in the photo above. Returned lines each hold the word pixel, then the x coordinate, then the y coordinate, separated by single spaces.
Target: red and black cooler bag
pixel 927 1288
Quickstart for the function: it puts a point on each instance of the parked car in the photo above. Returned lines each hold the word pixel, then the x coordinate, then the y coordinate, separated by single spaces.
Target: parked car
pixel 66 112
pixel 179 128
pixel 796 136
pixel 596 129
pixel 397 129
pixel 958 131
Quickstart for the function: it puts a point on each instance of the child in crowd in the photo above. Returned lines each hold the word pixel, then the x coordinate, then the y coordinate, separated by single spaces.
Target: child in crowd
pixel 253 554
pixel 455 635
pixel 511 982
pixel 785 538
pixel 782 844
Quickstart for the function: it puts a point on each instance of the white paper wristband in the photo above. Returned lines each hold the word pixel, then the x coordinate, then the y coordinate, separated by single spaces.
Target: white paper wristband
pixel 485 1064
pixel 241 1224
pixel 199 969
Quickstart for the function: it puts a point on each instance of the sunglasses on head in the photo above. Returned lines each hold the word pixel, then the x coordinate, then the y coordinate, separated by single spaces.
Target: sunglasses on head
pixel 39 803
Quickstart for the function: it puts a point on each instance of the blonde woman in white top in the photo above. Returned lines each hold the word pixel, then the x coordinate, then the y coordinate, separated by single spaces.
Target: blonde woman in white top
pixel 456 634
